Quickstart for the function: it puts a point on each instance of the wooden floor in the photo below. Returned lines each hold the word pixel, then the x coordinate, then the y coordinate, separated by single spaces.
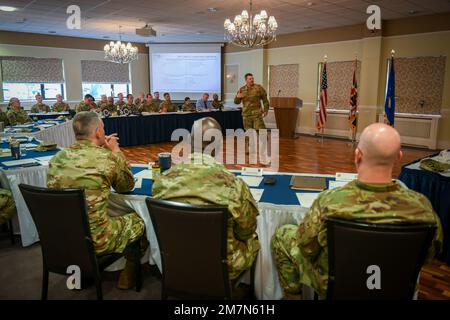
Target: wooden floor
pixel 307 154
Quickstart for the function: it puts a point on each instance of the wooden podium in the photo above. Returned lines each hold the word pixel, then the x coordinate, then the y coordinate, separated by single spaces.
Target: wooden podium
pixel 286 113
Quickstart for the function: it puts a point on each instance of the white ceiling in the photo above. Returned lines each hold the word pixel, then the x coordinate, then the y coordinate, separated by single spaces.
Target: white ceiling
pixel 190 20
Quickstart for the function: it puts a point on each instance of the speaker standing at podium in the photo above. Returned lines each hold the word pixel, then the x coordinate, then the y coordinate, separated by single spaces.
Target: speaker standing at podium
pixel 251 95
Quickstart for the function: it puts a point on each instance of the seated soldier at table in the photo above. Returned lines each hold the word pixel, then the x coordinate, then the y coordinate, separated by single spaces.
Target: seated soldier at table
pixel 156 98
pixel 132 108
pixel 3 118
pixel 7 206
pixel 216 104
pixel 140 100
pixel 103 102
pixel 39 106
pixel 149 105
pixel 167 105
pixel 120 104
pixel 301 251
pixel 110 106
pixel 202 181
pixel 15 113
pixel 60 105
pixel 96 163
pixel 188 105
pixel 87 104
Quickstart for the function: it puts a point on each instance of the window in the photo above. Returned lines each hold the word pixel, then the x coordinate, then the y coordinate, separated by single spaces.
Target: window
pixel 27 91
pixel 109 89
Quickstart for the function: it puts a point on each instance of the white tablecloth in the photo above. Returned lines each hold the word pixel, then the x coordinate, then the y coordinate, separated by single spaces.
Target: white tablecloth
pixel 62 134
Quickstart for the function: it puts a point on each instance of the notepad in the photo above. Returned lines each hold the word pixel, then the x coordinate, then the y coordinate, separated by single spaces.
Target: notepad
pixel 306 199
pixel 18 162
pixel 336 184
pixel 345 176
pixel 252 181
pixel 308 183
pixel 257 193
pixel 144 174
pixel 137 183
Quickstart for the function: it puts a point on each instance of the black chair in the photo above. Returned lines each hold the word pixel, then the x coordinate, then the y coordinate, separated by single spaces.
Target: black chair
pixel 61 219
pixel 8 227
pixel 398 250
pixel 193 245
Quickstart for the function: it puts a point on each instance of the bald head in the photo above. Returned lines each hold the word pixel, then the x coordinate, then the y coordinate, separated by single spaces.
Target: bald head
pixel 379 145
pixel 200 128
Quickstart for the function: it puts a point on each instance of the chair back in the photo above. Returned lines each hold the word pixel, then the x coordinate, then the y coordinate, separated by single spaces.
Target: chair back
pixel 61 220
pixel 370 261
pixel 193 245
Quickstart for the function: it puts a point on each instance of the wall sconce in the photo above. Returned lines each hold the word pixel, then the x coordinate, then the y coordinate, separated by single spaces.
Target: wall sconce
pixel 230 77
pixel 422 103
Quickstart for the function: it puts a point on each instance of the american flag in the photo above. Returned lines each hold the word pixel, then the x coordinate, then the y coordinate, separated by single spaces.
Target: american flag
pixel 352 119
pixel 323 99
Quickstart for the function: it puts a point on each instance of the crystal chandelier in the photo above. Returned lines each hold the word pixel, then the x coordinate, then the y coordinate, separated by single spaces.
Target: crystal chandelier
pixel 247 30
pixel 119 52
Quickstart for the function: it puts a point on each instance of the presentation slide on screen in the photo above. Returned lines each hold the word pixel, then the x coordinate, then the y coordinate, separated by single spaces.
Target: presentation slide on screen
pixel 186 72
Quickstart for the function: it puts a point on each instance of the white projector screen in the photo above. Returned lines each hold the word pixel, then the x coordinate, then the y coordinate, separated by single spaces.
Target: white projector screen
pixel 185 70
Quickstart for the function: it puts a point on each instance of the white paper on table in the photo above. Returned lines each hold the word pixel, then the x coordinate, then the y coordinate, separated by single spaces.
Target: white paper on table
pixel 46 125
pixel 306 199
pixel 252 181
pixel 21 126
pixel 28 145
pixel 336 184
pixel 257 193
pixel 345 176
pixel 46 158
pixel 144 174
pixel 137 183
pixel 18 162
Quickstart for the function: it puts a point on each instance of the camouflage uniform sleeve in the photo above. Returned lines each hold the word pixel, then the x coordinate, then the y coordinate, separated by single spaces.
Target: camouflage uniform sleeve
pixel 245 221
pixel 436 244
pixel 236 99
pixel 312 232
pixel 264 99
pixel 122 180
pixel 11 118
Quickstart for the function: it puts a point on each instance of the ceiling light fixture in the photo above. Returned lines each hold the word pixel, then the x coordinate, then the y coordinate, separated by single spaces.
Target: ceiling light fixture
pixel 8 8
pixel 119 52
pixel 248 31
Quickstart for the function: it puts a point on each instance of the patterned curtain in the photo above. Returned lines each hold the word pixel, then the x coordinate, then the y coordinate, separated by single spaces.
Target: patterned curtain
pixel 283 80
pixel 34 70
pixel 340 77
pixel 98 71
pixel 419 84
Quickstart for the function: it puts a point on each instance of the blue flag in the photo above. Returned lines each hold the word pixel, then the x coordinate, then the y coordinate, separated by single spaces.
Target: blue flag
pixel 389 104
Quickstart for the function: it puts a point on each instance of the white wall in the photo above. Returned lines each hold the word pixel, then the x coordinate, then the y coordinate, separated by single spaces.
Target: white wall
pixel 72 67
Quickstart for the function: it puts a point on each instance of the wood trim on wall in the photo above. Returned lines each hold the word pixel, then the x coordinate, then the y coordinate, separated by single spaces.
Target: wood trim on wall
pixel 43 40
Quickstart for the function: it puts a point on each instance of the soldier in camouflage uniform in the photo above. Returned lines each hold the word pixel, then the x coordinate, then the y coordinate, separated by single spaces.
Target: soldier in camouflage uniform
pixel 39 106
pixel 216 104
pixel 87 105
pixel 15 114
pixel 140 101
pixel 251 95
pixel 301 252
pixel 130 104
pixel 60 105
pixel 156 98
pixel 4 118
pixel 111 107
pixel 95 162
pixel 188 105
pixel 202 181
pixel 103 102
pixel 7 206
pixel 120 104
pixel 167 105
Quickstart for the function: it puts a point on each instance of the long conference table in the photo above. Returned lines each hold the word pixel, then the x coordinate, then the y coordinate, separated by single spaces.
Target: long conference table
pixel 158 127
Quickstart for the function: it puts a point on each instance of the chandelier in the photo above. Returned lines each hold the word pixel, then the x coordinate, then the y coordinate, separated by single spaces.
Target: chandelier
pixel 247 30
pixel 119 52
